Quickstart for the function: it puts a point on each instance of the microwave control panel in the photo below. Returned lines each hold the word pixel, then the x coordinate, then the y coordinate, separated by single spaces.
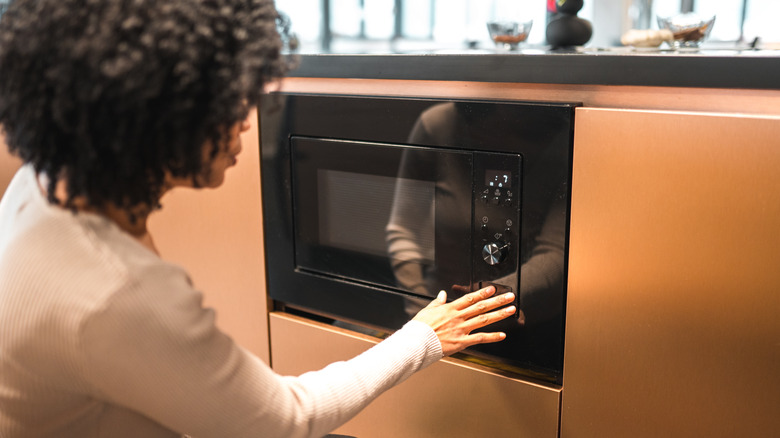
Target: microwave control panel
pixel 496 221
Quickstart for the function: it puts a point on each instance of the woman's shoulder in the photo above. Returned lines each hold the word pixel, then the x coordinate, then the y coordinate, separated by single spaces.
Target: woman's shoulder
pixel 75 260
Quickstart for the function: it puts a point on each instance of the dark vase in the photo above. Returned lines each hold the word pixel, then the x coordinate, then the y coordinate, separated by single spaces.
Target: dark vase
pixel 567 29
pixel 568 6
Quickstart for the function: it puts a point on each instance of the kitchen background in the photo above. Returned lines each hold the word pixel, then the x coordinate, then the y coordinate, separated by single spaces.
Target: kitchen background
pixel 671 304
pixel 346 26
pixel 349 26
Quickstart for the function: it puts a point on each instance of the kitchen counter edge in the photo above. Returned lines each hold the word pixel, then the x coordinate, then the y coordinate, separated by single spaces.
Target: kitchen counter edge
pixel 757 70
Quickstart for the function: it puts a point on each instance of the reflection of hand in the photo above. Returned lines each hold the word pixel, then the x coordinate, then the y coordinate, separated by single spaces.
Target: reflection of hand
pixel 453 322
pixel 410 276
pixel 462 290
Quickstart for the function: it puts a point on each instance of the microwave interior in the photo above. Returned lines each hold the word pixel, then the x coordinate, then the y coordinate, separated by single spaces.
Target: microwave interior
pixel 374 204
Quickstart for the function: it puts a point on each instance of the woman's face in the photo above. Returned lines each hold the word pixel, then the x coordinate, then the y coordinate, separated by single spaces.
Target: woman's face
pixel 226 156
pixel 214 171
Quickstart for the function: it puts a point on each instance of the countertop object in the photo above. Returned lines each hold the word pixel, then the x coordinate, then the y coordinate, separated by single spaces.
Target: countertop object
pixel 647 38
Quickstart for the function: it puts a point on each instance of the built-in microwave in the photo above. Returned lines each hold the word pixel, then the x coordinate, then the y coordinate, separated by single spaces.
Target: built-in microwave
pixel 374 204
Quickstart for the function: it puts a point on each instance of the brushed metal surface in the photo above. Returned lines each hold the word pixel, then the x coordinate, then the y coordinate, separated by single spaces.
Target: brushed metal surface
pixel 450 399
pixel 674 276
pixel 9 164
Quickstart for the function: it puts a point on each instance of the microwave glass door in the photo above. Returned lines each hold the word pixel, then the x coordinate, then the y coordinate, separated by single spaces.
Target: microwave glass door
pixel 389 215
pixel 373 204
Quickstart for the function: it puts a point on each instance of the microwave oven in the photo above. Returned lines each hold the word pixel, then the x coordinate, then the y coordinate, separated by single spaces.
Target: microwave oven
pixel 374 204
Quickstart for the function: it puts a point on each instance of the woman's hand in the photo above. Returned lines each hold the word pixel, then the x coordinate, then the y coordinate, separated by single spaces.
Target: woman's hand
pixel 453 322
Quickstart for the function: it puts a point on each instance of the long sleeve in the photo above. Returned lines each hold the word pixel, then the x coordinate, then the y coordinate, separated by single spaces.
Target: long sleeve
pixel 170 363
pixel 100 337
pixel 363 378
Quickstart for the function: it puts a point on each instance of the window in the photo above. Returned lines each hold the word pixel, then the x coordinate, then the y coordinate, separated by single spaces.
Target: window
pixel 761 20
pixel 408 25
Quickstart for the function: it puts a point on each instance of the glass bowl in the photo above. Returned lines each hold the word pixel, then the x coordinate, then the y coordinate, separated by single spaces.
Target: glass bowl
pixel 509 34
pixel 688 29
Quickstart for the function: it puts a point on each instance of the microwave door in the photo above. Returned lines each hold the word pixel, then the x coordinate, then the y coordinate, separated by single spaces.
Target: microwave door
pixel 389 215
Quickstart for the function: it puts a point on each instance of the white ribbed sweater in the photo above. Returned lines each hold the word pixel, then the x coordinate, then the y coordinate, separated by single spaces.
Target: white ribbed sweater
pixel 100 337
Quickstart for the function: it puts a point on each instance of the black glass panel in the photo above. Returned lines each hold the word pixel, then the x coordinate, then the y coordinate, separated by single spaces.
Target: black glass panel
pixel 329 268
pixel 389 215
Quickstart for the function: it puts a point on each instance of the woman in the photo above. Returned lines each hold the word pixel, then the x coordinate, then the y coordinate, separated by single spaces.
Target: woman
pixel 110 103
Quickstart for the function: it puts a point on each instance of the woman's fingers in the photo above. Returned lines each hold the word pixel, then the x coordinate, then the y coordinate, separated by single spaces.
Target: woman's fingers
pixel 454 322
pixel 489 318
pixel 486 319
pixel 473 297
pixel 484 306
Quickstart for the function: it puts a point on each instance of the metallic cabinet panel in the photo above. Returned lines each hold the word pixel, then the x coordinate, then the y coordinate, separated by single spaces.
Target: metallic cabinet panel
pixel 9 164
pixel 674 276
pixel 447 400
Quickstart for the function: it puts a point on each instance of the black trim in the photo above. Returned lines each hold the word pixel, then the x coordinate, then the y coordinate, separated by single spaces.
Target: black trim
pixel 540 132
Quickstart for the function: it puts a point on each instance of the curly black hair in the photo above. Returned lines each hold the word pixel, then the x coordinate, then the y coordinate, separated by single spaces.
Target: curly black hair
pixel 112 94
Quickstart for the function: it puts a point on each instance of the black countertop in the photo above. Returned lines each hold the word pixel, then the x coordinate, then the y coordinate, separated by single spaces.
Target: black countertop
pixel 748 69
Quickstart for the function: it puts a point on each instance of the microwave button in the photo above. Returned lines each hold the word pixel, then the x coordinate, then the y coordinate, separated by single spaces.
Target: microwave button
pixel 494 253
pixel 508 199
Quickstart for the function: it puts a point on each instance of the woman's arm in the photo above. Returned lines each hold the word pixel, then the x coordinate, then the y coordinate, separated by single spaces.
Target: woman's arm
pixel 154 349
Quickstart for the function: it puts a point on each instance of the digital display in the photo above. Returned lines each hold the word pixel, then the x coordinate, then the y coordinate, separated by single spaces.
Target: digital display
pixel 498 178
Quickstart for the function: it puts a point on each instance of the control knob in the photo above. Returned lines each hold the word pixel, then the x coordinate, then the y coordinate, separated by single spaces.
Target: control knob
pixel 494 253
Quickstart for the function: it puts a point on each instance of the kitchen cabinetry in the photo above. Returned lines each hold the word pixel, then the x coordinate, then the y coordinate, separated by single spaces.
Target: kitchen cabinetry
pixel 672 326
pixel 447 400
